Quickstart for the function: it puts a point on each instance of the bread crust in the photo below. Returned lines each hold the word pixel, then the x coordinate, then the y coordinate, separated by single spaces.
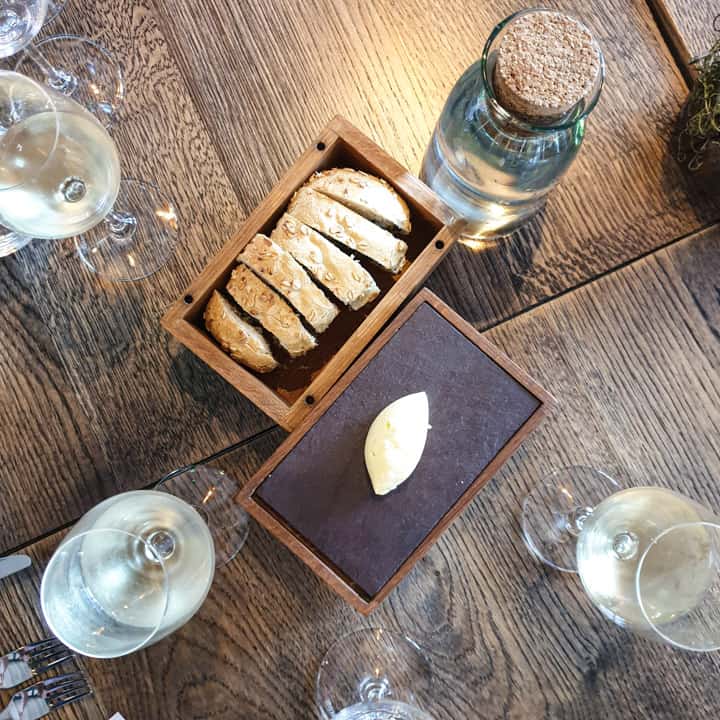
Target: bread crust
pixel 238 338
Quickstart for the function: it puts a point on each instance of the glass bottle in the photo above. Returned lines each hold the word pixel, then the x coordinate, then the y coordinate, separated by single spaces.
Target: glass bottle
pixel 493 167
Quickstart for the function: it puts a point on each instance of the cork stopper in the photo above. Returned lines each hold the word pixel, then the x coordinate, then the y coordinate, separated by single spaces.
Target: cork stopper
pixel 546 63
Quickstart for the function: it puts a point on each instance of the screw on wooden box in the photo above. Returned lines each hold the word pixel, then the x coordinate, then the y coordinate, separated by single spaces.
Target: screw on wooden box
pixel 288 394
pixel 314 494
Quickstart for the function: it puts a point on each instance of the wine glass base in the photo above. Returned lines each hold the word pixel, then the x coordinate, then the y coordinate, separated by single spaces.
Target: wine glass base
pixel 88 74
pixel 554 512
pixel 136 239
pixel 384 710
pixel 11 242
pixel 212 493
pixel 370 666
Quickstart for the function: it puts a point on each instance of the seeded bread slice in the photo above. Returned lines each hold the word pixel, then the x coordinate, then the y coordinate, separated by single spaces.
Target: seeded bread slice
pixel 277 267
pixel 270 310
pixel 343 276
pixel 367 195
pixel 348 228
pixel 239 339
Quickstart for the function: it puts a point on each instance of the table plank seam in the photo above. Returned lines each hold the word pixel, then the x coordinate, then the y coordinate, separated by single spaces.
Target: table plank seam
pixel 673 39
pixel 610 271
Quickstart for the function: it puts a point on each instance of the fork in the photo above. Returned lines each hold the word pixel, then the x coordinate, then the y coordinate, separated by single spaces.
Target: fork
pixel 31 660
pixel 39 700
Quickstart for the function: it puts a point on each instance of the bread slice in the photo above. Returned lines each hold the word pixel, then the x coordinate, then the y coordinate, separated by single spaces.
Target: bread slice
pixel 270 310
pixel 343 276
pixel 348 228
pixel 367 195
pixel 239 339
pixel 280 270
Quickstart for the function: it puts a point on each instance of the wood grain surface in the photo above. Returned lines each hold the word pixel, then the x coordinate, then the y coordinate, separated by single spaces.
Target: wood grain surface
pixel 633 359
pixel 221 98
pixel 689 25
pixel 95 395
pixel 270 73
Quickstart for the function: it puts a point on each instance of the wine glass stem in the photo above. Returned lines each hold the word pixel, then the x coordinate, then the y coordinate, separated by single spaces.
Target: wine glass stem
pixel 122 225
pixel 162 542
pixel 57 79
pixel 576 520
pixel 625 545
pixel 373 689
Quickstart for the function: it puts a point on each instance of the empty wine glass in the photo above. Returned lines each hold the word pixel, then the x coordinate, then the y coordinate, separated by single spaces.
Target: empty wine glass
pixel 212 493
pixel 580 520
pixel 373 674
pixel 80 68
pixel 678 586
pixel 133 570
pixel 20 22
pixel 60 178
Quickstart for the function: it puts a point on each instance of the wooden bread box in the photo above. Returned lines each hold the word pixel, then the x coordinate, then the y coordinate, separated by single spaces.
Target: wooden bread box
pixel 288 393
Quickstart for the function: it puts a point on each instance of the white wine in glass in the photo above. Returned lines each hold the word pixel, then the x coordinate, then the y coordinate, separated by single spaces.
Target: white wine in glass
pixel 612 542
pixel 60 178
pixel 78 185
pixel 110 566
pixel 580 520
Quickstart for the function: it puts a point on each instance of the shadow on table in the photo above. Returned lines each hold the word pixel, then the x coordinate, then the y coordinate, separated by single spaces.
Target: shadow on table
pixel 699 185
pixel 484 279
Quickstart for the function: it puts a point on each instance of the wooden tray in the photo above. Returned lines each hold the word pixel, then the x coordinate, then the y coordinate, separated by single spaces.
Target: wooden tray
pixel 288 394
pixel 314 494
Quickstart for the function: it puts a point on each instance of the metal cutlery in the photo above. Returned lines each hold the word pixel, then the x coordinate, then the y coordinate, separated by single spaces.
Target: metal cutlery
pixel 12 564
pixel 31 660
pixel 42 698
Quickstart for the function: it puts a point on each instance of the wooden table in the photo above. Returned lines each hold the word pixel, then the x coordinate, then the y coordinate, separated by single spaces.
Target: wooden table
pixel 611 298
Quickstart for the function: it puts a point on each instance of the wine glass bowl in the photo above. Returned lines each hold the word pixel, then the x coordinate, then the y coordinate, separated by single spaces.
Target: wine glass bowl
pixel 79 68
pixel 370 667
pixel 90 583
pixel 647 557
pixel 104 592
pixel 20 22
pixel 25 154
pixel 615 537
pixel 678 586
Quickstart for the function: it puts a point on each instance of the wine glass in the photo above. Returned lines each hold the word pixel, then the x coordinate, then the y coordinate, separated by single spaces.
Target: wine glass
pixel 80 68
pixel 24 153
pixel 133 570
pixel 105 592
pixel 75 66
pixel 20 22
pixel 580 520
pixel 373 674
pixel 678 586
pixel 211 492
pixel 128 228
